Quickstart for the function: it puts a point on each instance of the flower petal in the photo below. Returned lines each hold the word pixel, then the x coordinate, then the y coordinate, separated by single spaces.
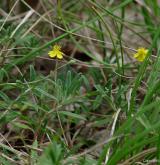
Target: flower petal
pixel 52 54
pixel 56 52
pixel 56 48
pixel 59 55
pixel 141 54
pixel 136 55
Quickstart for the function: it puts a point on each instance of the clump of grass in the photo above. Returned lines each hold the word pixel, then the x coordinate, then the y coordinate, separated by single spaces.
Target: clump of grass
pixel 75 87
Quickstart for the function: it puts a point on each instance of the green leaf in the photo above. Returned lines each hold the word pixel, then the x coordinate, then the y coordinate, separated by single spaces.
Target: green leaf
pixel 72 115
pixel 34 154
pixel 20 125
pixel 52 155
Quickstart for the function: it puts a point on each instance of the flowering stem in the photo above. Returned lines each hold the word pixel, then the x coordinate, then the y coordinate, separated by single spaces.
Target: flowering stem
pixel 142 71
pixel 35 52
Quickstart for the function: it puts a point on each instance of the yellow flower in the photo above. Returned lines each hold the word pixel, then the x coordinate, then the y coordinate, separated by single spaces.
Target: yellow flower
pixel 141 54
pixel 56 52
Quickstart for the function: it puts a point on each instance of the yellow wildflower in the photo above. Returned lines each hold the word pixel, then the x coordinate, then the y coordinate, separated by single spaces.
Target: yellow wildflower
pixel 141 54
pixel 56 52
